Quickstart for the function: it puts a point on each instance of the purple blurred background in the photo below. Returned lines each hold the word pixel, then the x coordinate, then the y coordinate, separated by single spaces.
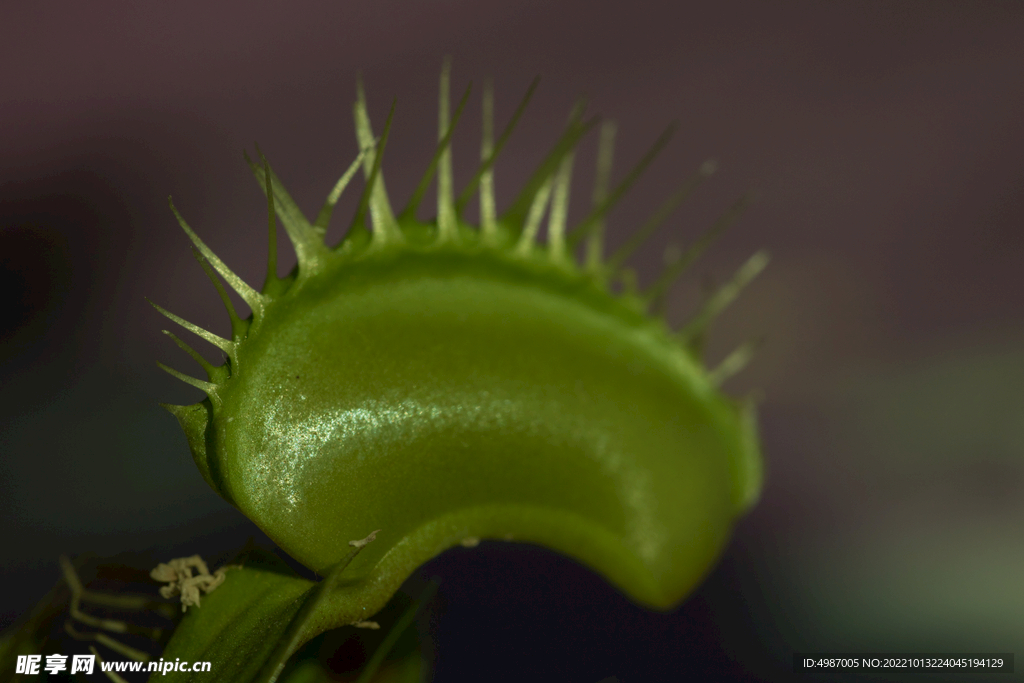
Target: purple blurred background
pixel 887 144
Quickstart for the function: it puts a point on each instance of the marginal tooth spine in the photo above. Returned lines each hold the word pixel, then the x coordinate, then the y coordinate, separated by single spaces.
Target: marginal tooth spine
pixel 447 224
pixel 385 226
pixel 734 362
pixel 209 387
pixel 640 236
pixel 533 219
pixel 251 297
pixel 409 212
pixel 488 162
pixel 724 296
pixel 271 279
pixel 587 225
pixel 384 232
pixel 307 243
pixel 488 210
pixel 559 210
pixel 516 214
pixel 323 218
pixel 238 326
pixel 221 343
pixel 560 199
pixel 605 155
pixel 207 366
pixel 673 271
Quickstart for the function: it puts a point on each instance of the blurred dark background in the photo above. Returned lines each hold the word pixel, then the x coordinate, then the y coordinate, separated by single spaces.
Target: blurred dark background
pixel 886 141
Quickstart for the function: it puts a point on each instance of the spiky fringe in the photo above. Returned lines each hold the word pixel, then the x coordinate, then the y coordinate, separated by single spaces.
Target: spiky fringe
pixel 546 192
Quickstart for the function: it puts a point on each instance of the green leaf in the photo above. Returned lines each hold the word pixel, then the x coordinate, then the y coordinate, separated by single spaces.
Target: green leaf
pixel 236 625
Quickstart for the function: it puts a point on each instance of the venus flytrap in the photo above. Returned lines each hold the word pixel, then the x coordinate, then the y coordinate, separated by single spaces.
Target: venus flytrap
pixel 445 382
